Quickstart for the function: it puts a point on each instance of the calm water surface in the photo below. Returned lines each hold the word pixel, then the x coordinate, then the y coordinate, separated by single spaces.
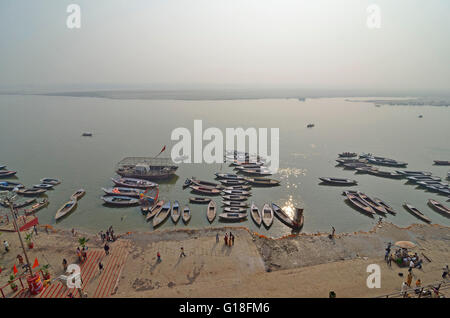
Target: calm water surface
pixel 40 136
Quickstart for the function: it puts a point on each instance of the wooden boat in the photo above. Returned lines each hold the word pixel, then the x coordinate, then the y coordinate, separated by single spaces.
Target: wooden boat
pixel 43 186
pixel 6 173
pixel 162 215
pixel 234 209
pixel 257 172
pixel 211 211
pixel 294 222
pixel 186 215
pixel 187 183
pixel 199 200
pixel 146 168
pixel 78 194
pixel 134 183
pixel 36 207
pixel 18 205
pixel 232 216
pixel 239 187
pixel 232 182
pixel 413 173
pixel 229 176
pixel 263 182
pixel 205 190
pixel 154 210
pixel 233 197
pixel 385 174
pixel 237 192
pixel 120 200
pixel 366 169
pixel 372 203
pixel 86 134
pixel 51 181
pixel 175 212
pixel 354 165
pixel 423 178
pixel 439 207
pixel 9 186
pixel 247 163
pixel 206 184
pixel 386 206
pixel 414 211
pixel 68 207
pixel 345 161
pixel 347 154
pixel 267 215
pixel 443 191
pixel 31 192
pixel 310 126
pixel 386 162
pixel 128 192
pixel 359 203
pixel 239 204
pixel 442 162
pixel 248 166
pixel 432 183
pixel 2 167
pixel 338 181
pixel 256 215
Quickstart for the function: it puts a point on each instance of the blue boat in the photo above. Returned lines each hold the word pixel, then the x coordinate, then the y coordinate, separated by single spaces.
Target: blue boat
pixel 9 186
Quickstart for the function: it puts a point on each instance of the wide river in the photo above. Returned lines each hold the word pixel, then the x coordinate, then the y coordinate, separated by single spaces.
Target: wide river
pixel 40 136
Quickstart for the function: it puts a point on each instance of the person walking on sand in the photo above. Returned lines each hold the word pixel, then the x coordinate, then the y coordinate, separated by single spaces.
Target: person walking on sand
pixel 79 254
pixel 232 240
pixel 158 257
pixel 333 230
pixel 106 248
pixel 217 237
pixel 100 266
pixel 6 244
pixel 409 279
pixel 35 229
pixel 84 253
pixel 226 238
pixel 182 252
pixel 64 264
pixel 101 236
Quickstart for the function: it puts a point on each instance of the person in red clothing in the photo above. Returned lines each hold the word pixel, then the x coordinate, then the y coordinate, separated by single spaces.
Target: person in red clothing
pixel 159 257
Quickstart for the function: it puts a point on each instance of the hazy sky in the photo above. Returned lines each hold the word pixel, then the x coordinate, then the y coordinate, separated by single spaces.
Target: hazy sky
pixel 308 44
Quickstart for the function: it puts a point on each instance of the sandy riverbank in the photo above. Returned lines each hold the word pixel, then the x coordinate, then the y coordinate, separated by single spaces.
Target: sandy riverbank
pixel 307 265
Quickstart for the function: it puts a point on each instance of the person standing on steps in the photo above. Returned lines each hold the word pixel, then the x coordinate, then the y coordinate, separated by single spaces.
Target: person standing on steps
pixel 182 252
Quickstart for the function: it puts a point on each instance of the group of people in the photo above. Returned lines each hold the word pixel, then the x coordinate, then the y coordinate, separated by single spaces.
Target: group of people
pixel 82 253
pixel 229 239
pixel 108 236
pixel 402 257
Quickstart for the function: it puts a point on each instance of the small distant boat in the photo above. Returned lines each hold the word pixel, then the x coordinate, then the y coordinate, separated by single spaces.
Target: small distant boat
pixel 205 190
pixel 338 181
pixel 51 181
pixel 78 194
pixel 206 184
pixel 199 200
pixel 257 172
pixel 234 209
pixel 237 192
pixel 256 214
pixel 175 213
pixel 239 204
pixel 366 169
pixel 444 191
pixel 263 182
pixel 134 183
pixel 87 134
pixel 359 203
pixel 350 160
pixel 247 163
pixel 6 173
pixel 233 197
pixel 43 186
pixel 186 215
pixel 372 203
pixel 420 116
pixel 432 183
pixel 423 178
pixel 2 167
pixel 414 211
pixel 239 187
pixel 348 155
pixel 65 209
pixel 128 192
pixel 211 211
pixel 413 173
pixel 154 210
pixel 232 182
pixel 230 176
pixel 248 166
pixel 36 207
pixel 233 217
pixel 439 207
pixel 162 215
pixel 267 215
pixel 386 206
pixel 310 126
pixel 354 165
pixel 18 205
pixel 294 222
pixel 385 174
pixel 386 162
pixel 120 200
pixel 187 183
pixel 442 162
pixel 31 192
pixel 9 186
